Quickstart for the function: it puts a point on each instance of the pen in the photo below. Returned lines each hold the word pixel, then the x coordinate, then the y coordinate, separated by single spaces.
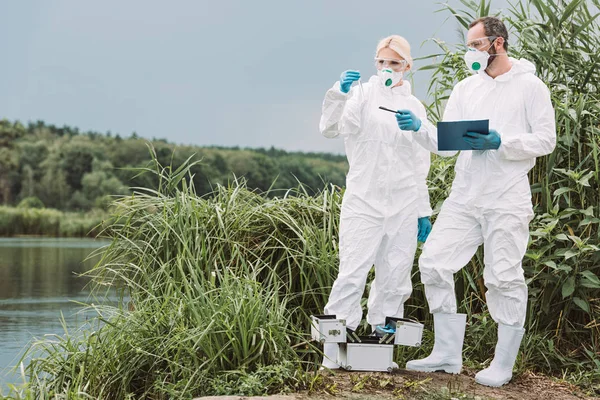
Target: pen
pixel 392 111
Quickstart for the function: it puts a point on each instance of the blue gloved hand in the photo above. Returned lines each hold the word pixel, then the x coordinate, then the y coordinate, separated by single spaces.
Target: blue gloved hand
pixel 347 78
pixel 424 229
pixel 480 141
pixel 381 331
pixel 408 121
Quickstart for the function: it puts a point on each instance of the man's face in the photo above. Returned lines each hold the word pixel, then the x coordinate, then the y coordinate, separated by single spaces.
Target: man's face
pixel 477 39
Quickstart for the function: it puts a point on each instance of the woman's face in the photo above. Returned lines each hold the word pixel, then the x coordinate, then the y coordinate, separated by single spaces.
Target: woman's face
pixel 389 58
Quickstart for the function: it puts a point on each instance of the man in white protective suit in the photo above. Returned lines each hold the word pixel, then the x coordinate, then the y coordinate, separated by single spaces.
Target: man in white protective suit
pixel 490 201
pixel 385 208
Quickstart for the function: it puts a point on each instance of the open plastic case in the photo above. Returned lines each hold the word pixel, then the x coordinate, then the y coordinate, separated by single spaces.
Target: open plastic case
pixel 327 328
pixel 365 353
pixel 408 332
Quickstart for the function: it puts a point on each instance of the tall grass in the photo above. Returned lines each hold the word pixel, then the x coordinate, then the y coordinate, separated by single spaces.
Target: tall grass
pixel 16 221
pixel 174 346
pixel 219 290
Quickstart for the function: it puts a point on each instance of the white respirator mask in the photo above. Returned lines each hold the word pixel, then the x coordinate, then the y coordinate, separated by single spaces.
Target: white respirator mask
pixel 389 78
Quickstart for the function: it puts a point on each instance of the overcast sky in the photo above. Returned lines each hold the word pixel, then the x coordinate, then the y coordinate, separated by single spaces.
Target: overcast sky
pixel 228 73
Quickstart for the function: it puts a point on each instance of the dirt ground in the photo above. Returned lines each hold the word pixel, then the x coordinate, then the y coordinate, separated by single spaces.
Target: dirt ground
pixel 408 385
pixel 403 384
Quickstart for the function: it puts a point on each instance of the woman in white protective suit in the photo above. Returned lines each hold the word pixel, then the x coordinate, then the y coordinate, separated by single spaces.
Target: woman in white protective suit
pixel 386 204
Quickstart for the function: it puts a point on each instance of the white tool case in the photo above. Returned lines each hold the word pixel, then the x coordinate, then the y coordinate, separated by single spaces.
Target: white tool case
pixel 365 353
pixel 369 355
pixel 408 332
pixel 328 329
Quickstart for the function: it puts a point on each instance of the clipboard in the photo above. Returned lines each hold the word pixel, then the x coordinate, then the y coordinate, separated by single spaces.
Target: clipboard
pixel 450 133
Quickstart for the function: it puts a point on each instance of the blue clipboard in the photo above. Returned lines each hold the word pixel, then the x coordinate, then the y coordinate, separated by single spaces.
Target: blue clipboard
pixel 450 133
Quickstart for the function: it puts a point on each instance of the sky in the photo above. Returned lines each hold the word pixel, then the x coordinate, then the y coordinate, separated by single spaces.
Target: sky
pixel 225 73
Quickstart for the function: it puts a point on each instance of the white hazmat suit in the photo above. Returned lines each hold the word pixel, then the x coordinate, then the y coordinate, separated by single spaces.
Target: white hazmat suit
pixel 386 193
pixel 490 200
pixel 490 204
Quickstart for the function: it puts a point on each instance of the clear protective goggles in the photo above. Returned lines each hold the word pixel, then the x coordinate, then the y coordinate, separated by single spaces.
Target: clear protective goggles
pixel 480 42
pixel 393 63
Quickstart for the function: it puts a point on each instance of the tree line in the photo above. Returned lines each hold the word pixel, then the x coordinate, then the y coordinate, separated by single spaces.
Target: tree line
pixel 42 165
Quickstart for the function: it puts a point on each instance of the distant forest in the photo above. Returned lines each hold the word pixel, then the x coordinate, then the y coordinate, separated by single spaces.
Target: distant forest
pixel 60 167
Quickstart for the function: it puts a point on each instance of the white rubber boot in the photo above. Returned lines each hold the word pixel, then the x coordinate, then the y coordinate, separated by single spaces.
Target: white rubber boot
pixel 500 370
pixel 449 330
pixel 330 353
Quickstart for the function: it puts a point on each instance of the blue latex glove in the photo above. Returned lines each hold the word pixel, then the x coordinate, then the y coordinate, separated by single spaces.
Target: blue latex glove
pixel 408 121
pixel 424 229
pixel 347 78
pixel 480 141
pixel 381 331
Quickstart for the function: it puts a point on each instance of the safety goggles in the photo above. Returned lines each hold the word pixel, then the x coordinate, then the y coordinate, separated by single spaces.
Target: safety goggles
pixel 394 64
pixel 480 42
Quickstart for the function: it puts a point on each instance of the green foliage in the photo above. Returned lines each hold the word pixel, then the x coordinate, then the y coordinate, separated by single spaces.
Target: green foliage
pixel 28 220
pixel 72 171
pixel 216 286
pixel 31 202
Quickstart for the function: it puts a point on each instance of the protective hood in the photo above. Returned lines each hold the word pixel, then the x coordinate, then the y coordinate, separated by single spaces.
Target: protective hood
pixel 519 67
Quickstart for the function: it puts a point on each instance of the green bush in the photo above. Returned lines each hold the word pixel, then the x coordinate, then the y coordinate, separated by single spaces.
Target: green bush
pixel 16 221
pixel 31 202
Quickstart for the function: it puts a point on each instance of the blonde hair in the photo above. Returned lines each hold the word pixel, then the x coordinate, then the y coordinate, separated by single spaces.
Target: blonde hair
pixel 398 44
